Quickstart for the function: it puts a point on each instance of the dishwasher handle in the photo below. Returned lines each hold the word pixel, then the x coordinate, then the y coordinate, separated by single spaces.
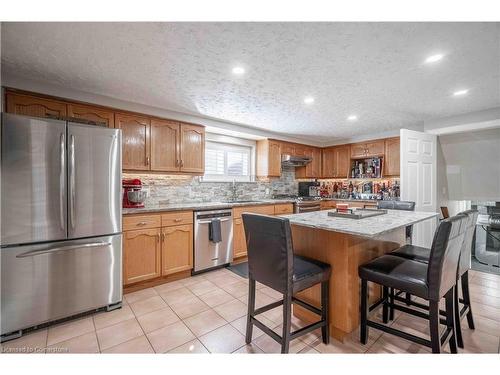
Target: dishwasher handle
pixel 209 221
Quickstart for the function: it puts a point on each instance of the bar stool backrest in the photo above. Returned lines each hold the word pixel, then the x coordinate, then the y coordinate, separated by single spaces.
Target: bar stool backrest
pixel 396 205
pixel 445 254
pixel 465 256
pixel 270 250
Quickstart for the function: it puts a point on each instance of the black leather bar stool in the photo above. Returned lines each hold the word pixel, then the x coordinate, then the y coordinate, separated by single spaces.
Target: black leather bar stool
pixel 422 254
pixel 272 263
pixel 431 281
pixel 399 205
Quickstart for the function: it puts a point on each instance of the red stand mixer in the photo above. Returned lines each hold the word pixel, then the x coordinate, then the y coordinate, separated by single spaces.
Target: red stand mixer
pixel 133 195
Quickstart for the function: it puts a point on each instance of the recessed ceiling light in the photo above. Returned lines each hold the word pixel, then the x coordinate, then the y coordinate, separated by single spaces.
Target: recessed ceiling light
pixel 238 70
pixel 434 58
pixel 352 118
pixel 460 92
pixel 308 100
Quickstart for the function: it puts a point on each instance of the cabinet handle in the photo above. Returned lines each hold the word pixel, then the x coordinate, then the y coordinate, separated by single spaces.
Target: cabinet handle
pixel 177 163
pixel 147 160
pixel 177 220
pixel 182 163
pixel 140 223
pixel 163 237
pixel 158 237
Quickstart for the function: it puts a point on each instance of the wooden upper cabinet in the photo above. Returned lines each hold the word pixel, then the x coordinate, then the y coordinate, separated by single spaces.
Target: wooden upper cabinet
pixel 100 116
pixel 274 159
pixel 391 162
pixel 192 148
pixel 287 148
pixel 313 169
pixel 368 149
pixel 342 161
pixel 26 105
pixel 165 152
pixel 268 158
pixel 135 141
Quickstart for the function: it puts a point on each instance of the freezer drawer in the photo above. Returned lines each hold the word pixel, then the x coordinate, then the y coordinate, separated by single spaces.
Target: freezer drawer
pixel 41 283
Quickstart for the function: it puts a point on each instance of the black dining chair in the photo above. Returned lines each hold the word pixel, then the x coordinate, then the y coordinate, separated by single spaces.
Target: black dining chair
pixel 431 282
pixel 422 254
pixel 271 262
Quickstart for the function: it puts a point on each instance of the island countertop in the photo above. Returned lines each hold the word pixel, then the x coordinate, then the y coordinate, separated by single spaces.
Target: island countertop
pixel 367 227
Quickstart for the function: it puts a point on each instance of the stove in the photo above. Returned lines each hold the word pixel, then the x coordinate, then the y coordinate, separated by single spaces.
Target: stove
pixel 302 204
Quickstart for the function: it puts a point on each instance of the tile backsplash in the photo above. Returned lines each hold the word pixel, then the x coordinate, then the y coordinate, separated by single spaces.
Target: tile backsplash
pixel 171 189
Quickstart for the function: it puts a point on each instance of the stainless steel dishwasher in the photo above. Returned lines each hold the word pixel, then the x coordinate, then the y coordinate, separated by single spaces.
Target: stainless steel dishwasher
pixel 209 254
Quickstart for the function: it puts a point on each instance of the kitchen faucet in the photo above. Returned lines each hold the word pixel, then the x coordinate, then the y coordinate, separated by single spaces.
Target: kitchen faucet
pixel 234 195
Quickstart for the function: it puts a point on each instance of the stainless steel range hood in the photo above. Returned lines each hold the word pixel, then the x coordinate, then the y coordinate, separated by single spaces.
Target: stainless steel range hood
pixel 294 161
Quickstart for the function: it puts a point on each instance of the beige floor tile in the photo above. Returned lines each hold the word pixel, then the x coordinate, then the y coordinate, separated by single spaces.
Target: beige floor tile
pixel 147 305
pixel 70 329
pixel 157 319
pixel 231 310
pixel 241 325
pixel 104 319
pixel 225 339
pixel 204 322
pixel 193 280
pixel 268 345
pixel 140 294
pixel 118 333
pixel 237 289
pixel 275 315
pixel 225 279
pixel 202 287
pixel 86 343
pixel 189 306
pixel 170 337
pixel 261 299
pixel 271 293
pixel 33 342
pixel 167 287
pixel 138 345
pixel 217 297
pixel 215 274
pixel 309 350
pixel 337 347
pixel 192 347
pixel 249 349
pixel 390 344
pixel 177 295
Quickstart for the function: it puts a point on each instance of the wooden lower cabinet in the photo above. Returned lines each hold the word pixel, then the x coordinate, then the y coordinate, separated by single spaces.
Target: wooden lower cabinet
pixel 177 249
pixel 141 255
pixel 239 243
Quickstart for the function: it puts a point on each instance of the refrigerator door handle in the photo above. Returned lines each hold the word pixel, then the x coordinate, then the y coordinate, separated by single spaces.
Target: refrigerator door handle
pixel 62 181
pixel 72 181
pixel 33 253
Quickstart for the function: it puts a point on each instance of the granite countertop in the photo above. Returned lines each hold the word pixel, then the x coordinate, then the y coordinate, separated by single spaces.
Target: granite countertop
pixel 202 206
pixel 367 227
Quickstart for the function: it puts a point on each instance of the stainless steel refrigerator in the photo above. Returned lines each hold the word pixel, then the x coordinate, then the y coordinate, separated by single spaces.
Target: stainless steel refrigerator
pixel 61 245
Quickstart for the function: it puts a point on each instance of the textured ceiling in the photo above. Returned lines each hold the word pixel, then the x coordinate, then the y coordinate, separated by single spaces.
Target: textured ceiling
pixel 373 70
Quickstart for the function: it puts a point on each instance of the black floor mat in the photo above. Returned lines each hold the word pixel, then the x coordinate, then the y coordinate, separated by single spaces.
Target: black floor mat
pixel 241 269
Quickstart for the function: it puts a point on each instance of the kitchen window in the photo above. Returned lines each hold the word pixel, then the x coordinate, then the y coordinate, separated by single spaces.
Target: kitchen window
pixel 228 162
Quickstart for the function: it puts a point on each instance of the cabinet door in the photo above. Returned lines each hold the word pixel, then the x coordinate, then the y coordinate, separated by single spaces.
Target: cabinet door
pixel 239 243
pixel 342 161
pixel 135 141
pixel 33 106
pixel 100 116
pixel 328 162
pixel 141 255
pixel 165 138
pixel 177 249
pixel 358 150
pixel 315 165
pixel 287 148
pixel 274 159
pixel 391 161
pixel 192 148
pixel 375 148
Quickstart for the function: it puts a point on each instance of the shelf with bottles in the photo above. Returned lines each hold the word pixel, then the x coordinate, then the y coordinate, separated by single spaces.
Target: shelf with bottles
pixel 366 168
pixel 381 188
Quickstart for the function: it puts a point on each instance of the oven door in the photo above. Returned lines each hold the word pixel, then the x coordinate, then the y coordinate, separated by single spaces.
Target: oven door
pixel 303 207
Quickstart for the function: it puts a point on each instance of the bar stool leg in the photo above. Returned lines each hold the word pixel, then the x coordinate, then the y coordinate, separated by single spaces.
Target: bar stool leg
pixel 450 319
pixel 466 296
pixel 363 330
pixel 287 323
pixel 325 330
pixel 434 326
pixel 458 326
pixel 408 299
pixel 385 306
pixel 391 299
pixel 251 310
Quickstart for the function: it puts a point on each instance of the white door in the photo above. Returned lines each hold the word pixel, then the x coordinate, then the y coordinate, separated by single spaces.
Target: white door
pixel 418 179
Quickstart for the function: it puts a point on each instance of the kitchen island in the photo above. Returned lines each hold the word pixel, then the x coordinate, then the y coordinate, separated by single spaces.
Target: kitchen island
pixel 345 244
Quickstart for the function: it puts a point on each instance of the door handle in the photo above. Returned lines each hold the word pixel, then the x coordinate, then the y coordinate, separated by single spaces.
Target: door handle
pixel 62 180
pixel 72 181
pixel 33 253
pixel 209 221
